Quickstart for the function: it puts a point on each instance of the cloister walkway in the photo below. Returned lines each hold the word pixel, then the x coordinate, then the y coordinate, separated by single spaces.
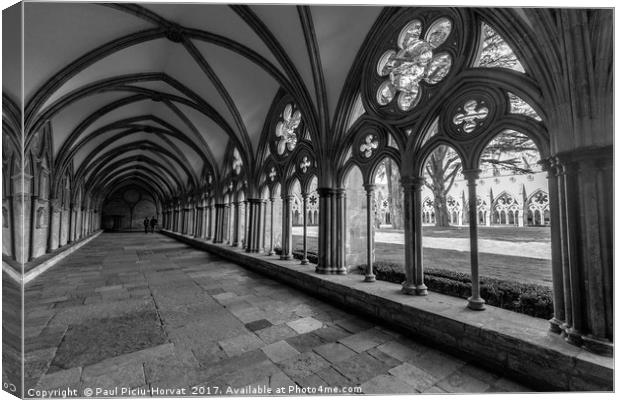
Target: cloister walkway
pixel 145 312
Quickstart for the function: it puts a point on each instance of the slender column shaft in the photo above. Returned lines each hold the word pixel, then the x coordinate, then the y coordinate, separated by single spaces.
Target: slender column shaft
pixel 475 302
pixel 271 250
pixel 559 314
pixel 370 276
pixel 305 261
pixel 237 225
pixel 287 220
pixel 340 234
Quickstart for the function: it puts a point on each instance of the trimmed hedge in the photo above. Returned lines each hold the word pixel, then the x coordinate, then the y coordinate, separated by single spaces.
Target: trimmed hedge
pixel 299 255
pixel 525 298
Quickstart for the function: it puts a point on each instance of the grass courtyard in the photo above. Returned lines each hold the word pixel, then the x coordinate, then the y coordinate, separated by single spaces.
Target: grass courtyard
pixel 493 264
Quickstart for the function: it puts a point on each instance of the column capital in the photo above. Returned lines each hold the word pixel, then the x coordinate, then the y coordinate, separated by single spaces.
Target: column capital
pixel 471 174
pixel 326 191
pixel 287 197
pixel 369 188
pixel 412 182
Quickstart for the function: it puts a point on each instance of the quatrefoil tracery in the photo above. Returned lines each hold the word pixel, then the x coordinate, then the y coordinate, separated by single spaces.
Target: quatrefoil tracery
pixel 370 144
pixel 304 164
pixel 272 174
pixel 471 116
pixel 285 129
pixel 413 62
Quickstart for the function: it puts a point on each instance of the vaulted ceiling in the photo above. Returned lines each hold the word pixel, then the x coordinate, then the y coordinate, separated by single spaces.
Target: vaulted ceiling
pixel 167 88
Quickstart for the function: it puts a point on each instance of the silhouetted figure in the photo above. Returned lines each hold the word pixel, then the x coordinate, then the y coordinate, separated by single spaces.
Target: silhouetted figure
pixel 146 225
pixel 153 224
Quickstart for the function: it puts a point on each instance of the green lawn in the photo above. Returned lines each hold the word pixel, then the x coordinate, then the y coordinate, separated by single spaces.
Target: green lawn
pixel 523 269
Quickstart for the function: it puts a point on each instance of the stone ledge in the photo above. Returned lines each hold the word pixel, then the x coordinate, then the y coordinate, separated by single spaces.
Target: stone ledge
pixel 38 266
pixel 516 344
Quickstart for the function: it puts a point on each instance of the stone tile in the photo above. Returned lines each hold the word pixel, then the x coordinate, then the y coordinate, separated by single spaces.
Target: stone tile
pixel 331 333
pixel 361 368
pixel 386 384
pixel 305 325
pixel 398 351
pixel 334 352
pixel 279 351
pixel 506 385
pixel 333 377
pixel 68 378
pixel 384 358
pixel 459 382
pixel 312 382
pixel 354 324
pixel 438 364
pixel 302 365
pixel 275 333
pixel 250 373
pixel 130 375
pixel 258 325
pixel 414 377
pixel 435 389
pixel 363 340
pixel 306 342
pixel 241 344
pixel 170 374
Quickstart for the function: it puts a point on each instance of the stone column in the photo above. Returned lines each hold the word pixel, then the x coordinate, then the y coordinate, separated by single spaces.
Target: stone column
pixel 71 233
pixel 287 234
pixel 304 260
pixel 246 228
pixel 370 229
pixel 236 225
pixel 341 221
pixel 33 225
pixel 271 250
pixel 226 224
pixel 414 260
pixel 220 214
pixel 210 222
pixel 475 302
pixel 203 223
pixel 586 206
pixel 255 225
pixel 559 315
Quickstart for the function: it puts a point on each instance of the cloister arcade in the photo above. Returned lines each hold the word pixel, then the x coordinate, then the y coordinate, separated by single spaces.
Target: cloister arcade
pixel 229 128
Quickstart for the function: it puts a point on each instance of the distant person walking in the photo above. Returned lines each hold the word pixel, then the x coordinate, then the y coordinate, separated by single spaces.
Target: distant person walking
pixel 153 224
pixel 146 225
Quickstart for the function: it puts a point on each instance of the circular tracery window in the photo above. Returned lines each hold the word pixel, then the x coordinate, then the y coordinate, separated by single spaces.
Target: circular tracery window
pixel 286 129
pixel 414 60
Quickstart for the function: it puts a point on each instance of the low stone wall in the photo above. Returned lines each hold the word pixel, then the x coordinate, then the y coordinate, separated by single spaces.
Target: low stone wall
pixel 514 344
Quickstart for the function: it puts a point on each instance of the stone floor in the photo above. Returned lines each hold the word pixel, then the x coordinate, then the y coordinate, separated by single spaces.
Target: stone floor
pixel 136 314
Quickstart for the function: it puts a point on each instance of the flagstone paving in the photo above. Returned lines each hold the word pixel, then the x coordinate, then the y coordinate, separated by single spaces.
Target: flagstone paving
pixel 146 312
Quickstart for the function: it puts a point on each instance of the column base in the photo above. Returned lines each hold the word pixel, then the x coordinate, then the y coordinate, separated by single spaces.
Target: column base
pixel 602 347
pixel 286 257
pixel 271 253
pixel 476 304
pixel 408 288
pixel 305 261
pixel 555 325
pixel 421 290
pixel 370 278
pixel 573 336
pixel 330 270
